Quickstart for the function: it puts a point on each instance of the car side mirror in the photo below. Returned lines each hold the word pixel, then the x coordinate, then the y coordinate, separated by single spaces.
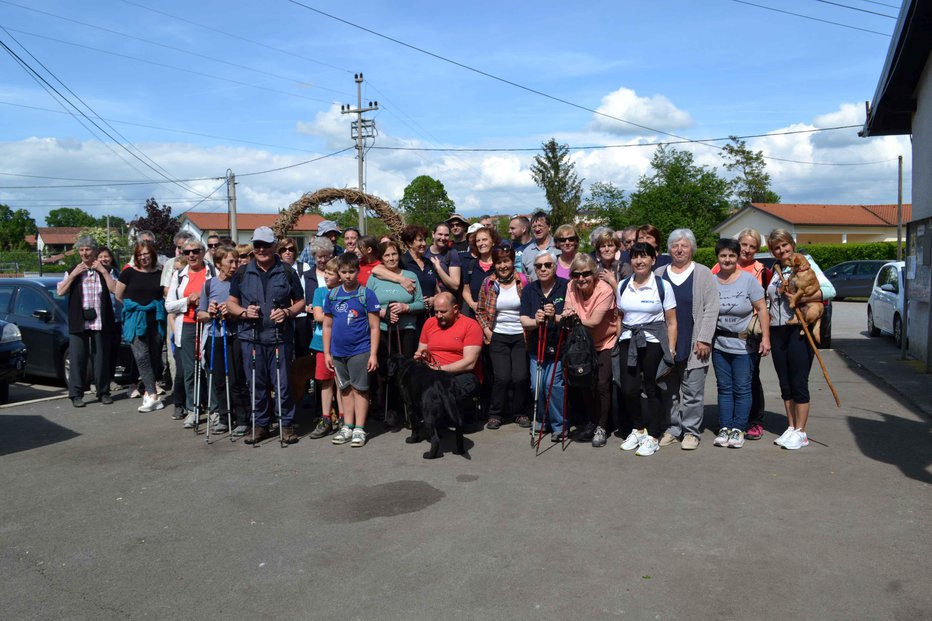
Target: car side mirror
pixel 888 288
pixel 42 315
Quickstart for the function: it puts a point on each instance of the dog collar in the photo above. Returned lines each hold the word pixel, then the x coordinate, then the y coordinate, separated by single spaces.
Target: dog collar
pixel 802 269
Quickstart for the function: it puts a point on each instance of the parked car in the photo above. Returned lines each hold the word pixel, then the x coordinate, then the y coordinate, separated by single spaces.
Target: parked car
pixel 42 317
pixel 12 358
pixel 825 328
pixel 853 279
pixel 885 305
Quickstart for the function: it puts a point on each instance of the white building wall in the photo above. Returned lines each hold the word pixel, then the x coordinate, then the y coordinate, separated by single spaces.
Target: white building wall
pixel 752 219
pixel 919 322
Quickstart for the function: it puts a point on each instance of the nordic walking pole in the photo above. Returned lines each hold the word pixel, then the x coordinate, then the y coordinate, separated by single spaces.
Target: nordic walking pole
pixel 538 373
pixel 278 385
pixel 553 376
pixel 255 335
pixel 388 322
pixel 197 374
pixel 210 380
pixel 815 350
pixel 226 374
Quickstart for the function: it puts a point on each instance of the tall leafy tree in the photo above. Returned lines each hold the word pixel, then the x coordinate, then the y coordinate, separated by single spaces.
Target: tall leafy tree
pixel 15 225
pixel 159 220
pixel 678 193
pixel 751 183
pixel 116 222
pixel 556 175
pixel 70 216
pixel 607 203
pixel 349 217
pixel 425 202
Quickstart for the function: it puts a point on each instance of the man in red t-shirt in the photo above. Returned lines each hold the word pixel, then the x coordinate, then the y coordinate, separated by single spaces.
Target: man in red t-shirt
pixel 452 343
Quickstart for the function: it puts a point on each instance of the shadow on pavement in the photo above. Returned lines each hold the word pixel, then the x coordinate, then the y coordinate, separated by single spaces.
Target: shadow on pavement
pixel 24 433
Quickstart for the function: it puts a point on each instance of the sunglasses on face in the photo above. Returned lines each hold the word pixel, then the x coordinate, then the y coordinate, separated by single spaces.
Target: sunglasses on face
pixel 190 251
pixel 544 266
pixel 288 249
pixel 212 246
pixel 563 240
pixel 586 274
pixel 261 245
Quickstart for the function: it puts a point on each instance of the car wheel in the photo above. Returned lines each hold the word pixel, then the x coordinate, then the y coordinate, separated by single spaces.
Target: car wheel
pixel 897 331
pixel 4 391
pixel 66 366
pixel 872 330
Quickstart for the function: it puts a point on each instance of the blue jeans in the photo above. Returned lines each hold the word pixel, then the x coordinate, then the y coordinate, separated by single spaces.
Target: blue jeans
pixel 555 409
pixel 733 374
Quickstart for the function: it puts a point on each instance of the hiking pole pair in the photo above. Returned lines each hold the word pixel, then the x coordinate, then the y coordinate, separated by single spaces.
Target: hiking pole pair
pixel 255 336
pixel 210 370
pixel 553 376
pixel 226 374
pixel 198 327
pixel 541 349
pixel 278 380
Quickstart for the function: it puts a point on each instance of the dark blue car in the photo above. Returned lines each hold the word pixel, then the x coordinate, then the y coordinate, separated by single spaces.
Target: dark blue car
pixel 12 358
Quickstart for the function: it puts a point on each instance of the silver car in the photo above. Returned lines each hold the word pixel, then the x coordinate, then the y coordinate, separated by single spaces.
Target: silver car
pixel 885 305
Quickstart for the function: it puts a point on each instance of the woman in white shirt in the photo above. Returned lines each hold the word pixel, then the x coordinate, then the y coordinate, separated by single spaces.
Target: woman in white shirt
pixel 645 347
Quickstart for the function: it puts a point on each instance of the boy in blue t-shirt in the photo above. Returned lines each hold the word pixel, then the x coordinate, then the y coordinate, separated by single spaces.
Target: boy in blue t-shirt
pixel 328 423
pixel 351 341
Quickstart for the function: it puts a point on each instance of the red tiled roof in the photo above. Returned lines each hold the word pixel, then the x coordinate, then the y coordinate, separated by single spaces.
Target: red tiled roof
pixel 828 215
pixel 58 235
pixel 247 221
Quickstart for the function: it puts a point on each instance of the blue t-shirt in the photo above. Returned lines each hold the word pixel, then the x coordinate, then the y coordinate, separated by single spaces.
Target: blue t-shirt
pixel 350 334
pixel 320 297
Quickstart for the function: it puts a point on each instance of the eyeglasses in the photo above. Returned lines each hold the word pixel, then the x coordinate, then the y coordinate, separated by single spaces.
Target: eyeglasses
pixel 544 266
pixel 563 240
pixel 261 245
pixel 191 251
pixel 586 274
pixel 212 246
pixel 288 249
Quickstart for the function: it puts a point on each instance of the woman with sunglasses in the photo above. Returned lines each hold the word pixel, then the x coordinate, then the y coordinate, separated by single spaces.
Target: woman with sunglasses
pixel 567 241
pixel 288 252
pixel 592 301
pixel 499 314
pixel 140 291
pixel 647 307
pixel 184 295
pixel 479 266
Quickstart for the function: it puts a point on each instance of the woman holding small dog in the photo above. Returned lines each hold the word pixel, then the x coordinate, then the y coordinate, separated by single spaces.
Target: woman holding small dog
pixel 792 355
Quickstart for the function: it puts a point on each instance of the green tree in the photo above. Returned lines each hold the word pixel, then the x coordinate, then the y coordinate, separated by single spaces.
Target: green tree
pixel 350 218
pixel 425 202
pixel 677 193
pixel 116 222
pixel 118 242
pixel 607 203
pixel 70 216
pixel 556 175
pixel 159 220
pixel 14 227
pixel 752 182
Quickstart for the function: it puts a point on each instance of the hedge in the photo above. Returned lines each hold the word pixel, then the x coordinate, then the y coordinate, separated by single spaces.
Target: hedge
pixel 825 255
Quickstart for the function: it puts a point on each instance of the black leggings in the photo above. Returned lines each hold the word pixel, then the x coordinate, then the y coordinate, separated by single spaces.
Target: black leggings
pixel 643 376
pixel 598 399
pixel 408 347
pixel 792 359
pixel 510 374
pixel 239 389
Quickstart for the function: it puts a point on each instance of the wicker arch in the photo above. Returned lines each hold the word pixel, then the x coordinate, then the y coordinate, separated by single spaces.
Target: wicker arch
pixel 289 217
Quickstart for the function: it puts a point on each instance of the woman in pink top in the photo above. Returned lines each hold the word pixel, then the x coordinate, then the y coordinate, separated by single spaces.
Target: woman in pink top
pixel 593 302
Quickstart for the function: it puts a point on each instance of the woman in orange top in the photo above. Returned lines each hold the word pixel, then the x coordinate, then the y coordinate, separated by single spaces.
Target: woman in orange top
pixel 593 301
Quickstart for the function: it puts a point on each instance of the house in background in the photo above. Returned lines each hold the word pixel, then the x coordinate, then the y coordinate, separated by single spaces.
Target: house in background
pixel 199 223
pixel 818 224
pixel 902 104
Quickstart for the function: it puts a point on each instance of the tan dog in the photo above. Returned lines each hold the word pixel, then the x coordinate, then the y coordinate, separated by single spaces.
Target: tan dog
pixel 803 283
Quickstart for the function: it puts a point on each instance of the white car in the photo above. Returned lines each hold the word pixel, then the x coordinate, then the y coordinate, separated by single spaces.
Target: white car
pixel 885 305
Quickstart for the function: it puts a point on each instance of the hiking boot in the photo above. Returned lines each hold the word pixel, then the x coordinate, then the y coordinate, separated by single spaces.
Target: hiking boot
pixel 494 423
pixel 343 436
pixel 240 430
pixel 106 399
pixel 755 432
pixel 523 421
pixel 667 439
pixel 324 428
pixel 261 434
pixel 288 435
pixel 77 402
pixel 724 434
pixel 599 438
pixel 690 442
pixel 588 433
pixel 359 437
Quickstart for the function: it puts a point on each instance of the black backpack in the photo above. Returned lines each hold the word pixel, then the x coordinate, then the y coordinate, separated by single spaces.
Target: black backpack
pixel 580 359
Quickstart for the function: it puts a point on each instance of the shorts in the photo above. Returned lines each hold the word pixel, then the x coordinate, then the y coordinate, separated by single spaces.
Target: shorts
pixel 352 371
pixel 321 372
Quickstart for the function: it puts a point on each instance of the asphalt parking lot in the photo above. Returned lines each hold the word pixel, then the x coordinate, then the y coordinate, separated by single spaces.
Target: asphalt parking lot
pixel 112 514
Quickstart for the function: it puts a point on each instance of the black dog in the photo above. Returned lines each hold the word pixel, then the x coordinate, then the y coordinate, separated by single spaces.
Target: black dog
pixel 430 396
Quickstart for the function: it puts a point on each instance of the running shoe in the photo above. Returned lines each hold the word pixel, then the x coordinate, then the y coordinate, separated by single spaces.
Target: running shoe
pixel 647 447
pixel 796 441
pixel 633 440
pixel 736 439
pixel 724 434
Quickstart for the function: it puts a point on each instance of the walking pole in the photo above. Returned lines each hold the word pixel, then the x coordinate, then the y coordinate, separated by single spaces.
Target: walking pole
pixel 226 374
pixel 553 375
pixel 398 342
pixel 815 350
pixel 197 374
pixel 566 392
pixel 210 379
pixel 278 384
pixel 541 331
pixel 255 335
pixel 388 355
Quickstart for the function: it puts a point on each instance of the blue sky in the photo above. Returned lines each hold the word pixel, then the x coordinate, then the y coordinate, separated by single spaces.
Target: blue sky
pixel 199 87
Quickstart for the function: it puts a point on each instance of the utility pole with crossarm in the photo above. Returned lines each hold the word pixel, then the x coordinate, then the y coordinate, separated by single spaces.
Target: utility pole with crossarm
pixel 360 130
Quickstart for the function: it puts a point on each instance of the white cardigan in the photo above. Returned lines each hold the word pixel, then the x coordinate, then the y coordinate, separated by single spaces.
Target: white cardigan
pixel 177 303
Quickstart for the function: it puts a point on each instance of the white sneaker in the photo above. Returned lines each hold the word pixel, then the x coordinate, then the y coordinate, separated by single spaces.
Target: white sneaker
pixel 648 446
pixel 796 441
pixel 634 439
pixel 722 438
pixel 343 436
pixel 190 420
pixel 150 404
pixel 783 437
pixel 736 439
pixel 359 438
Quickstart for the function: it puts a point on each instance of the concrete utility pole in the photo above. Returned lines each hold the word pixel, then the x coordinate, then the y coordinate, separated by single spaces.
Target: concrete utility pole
pixel 231 203
pixel 360 129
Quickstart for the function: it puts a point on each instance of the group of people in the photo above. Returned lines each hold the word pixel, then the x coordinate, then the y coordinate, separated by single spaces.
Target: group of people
pixel 261 328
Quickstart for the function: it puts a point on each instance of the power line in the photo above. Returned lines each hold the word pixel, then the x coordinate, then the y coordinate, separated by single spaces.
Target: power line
pixel 316 159
pixel 854 8
pixel 892 6
pixel 815 19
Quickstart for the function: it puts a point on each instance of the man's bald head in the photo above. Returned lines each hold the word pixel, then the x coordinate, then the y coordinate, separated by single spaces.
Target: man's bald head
pixel 446 310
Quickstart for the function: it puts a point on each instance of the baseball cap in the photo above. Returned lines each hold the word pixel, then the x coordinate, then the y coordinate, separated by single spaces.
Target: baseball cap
pixel 327 226
pixel 263 234
pixel 475 226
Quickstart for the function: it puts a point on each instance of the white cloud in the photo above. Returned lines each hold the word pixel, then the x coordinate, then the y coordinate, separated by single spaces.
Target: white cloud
pixel 655 112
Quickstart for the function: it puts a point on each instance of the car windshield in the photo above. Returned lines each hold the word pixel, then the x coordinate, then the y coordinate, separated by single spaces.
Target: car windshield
pixel 60 300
